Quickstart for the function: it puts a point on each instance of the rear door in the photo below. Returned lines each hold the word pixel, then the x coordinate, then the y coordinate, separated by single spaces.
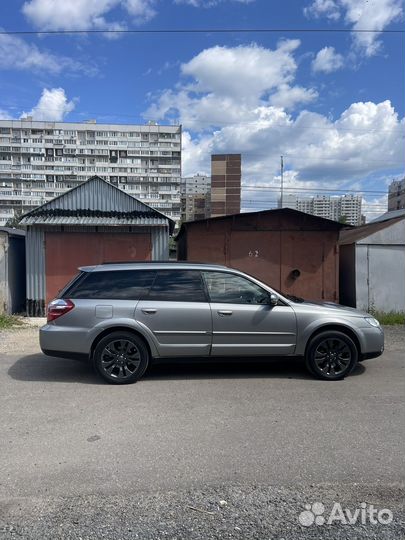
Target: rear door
pixel 106 294
pixel 244 322
pixel 178 313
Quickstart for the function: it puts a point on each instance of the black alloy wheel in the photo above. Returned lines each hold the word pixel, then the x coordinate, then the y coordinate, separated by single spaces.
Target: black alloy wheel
pixel 331 355
pixel 121 358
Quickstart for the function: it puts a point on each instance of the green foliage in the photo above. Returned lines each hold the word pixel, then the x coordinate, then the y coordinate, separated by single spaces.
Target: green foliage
pixel 388 317
pixel 10 321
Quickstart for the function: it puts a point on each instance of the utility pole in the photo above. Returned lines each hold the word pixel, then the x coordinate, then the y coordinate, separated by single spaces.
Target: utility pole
pixel 282 180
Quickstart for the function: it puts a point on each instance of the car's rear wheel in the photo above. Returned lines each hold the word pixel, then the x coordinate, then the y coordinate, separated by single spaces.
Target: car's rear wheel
pixel 121 358
pixel 331 355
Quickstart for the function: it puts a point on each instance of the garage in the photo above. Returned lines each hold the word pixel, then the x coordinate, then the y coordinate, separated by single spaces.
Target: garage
pixel 92 223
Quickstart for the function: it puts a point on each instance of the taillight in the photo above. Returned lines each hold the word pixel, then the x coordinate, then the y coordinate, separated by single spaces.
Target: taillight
pixel 58 307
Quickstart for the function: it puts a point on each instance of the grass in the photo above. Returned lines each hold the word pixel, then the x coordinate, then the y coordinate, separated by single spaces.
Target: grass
pixel 389 317
pixel 10 321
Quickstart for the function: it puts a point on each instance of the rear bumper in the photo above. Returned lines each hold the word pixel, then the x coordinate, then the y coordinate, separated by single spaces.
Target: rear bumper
pixel 67 341
pixel 82 357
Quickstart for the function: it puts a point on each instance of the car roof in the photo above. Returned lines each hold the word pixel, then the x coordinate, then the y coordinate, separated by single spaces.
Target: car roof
pixel 153 265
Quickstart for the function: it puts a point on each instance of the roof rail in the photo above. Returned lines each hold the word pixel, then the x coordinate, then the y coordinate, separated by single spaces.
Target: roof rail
pixel 160 262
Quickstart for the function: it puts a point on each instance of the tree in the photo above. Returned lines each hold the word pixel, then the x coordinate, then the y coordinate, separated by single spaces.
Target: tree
pixel 14 222
pixel 343 219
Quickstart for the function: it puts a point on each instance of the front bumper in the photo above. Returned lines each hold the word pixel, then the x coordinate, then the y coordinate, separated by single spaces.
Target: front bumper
pixel 372 342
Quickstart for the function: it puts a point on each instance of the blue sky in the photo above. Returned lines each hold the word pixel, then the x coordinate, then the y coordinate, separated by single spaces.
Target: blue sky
pixel 331 103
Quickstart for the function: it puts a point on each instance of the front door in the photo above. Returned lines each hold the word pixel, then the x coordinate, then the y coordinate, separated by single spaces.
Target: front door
pixel 178 313
pixel 244 322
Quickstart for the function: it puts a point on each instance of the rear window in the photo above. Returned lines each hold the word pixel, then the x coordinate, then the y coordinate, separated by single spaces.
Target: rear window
pixel 178 286
pixel 113 285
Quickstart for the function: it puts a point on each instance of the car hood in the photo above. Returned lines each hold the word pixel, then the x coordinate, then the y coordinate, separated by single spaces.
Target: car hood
pixel 332 308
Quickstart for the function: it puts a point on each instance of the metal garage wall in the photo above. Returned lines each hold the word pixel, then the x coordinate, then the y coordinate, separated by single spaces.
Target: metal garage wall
pixel 160 243
pixel 35 256
pixel 380 277
pixel 35 261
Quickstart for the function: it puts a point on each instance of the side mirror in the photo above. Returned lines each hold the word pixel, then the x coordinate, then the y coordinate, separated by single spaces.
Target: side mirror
pixel 273 299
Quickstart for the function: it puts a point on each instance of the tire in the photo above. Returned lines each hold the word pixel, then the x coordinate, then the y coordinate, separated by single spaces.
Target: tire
pixel 331 355
pixel 121 358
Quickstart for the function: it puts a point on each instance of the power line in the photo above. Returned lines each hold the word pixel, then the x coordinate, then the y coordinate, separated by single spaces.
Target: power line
pixel 253 202
pixel 206 31
pixel 247 187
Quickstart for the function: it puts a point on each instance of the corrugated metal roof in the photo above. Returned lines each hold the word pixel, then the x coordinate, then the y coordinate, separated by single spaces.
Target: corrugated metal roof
pixel 94 220
pixel 351 236
pixel 95 195
pixel 12 232
pixel 389 215
pixel 327 224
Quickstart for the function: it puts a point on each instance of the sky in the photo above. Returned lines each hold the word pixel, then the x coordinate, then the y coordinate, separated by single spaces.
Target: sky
pixel 331 103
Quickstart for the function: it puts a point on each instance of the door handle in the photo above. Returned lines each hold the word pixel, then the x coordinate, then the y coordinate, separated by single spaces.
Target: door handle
pixel 149 311
pixel 223 312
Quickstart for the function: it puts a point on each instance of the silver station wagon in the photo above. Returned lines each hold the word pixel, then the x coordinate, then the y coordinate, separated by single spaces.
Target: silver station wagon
pixel 122 316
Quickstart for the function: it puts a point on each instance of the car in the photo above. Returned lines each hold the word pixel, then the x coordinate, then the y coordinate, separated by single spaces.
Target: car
pixel 122 316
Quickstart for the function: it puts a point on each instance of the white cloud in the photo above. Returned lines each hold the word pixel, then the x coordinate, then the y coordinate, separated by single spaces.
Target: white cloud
pixel 141 10
pixel 15 53
pixel 327 60
pixel 4 115
pixel 323 8
pixel 375 15
pixel 227 108
pixel 85 14
pixel 249 115
pixel 209 3
pixel 288 97
pixel 53 105
pixel 227 84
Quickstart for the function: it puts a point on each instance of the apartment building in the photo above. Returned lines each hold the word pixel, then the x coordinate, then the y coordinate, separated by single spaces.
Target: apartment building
pixel 336 207
pixel 396 195
pixel 195 197
pixel 40 160
pixel 225 184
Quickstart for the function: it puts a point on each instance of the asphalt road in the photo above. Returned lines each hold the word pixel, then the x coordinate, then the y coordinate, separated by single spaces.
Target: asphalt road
pixel 82 459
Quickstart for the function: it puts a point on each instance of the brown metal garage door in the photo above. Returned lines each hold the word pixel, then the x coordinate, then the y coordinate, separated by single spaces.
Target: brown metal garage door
pixel 65 252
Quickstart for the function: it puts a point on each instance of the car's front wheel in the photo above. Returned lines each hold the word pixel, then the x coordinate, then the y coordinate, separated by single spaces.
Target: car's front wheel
pixel 331 355
pixel 121 358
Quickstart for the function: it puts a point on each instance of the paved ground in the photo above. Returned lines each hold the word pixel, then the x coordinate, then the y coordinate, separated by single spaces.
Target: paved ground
pixel 81 459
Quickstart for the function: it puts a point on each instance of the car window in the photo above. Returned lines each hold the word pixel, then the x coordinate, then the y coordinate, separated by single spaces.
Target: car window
pixel 113 285
pixel 178 286
pixel 231 289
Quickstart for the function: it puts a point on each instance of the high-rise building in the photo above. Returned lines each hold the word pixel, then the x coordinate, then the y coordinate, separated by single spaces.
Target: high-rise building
pixel 345 208
pixel 195 197
pixel 396 195
pixel 225 184
pixel 40 160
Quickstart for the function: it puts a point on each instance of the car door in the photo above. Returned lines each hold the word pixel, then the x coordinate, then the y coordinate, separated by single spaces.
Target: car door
pixel 243 320
pixel 177 311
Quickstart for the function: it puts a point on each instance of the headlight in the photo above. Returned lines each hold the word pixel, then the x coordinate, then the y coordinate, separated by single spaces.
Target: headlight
pixel 372 321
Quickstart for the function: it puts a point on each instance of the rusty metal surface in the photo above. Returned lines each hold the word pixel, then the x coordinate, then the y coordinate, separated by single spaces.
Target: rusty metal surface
pixel 65 252
pixel 288 251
